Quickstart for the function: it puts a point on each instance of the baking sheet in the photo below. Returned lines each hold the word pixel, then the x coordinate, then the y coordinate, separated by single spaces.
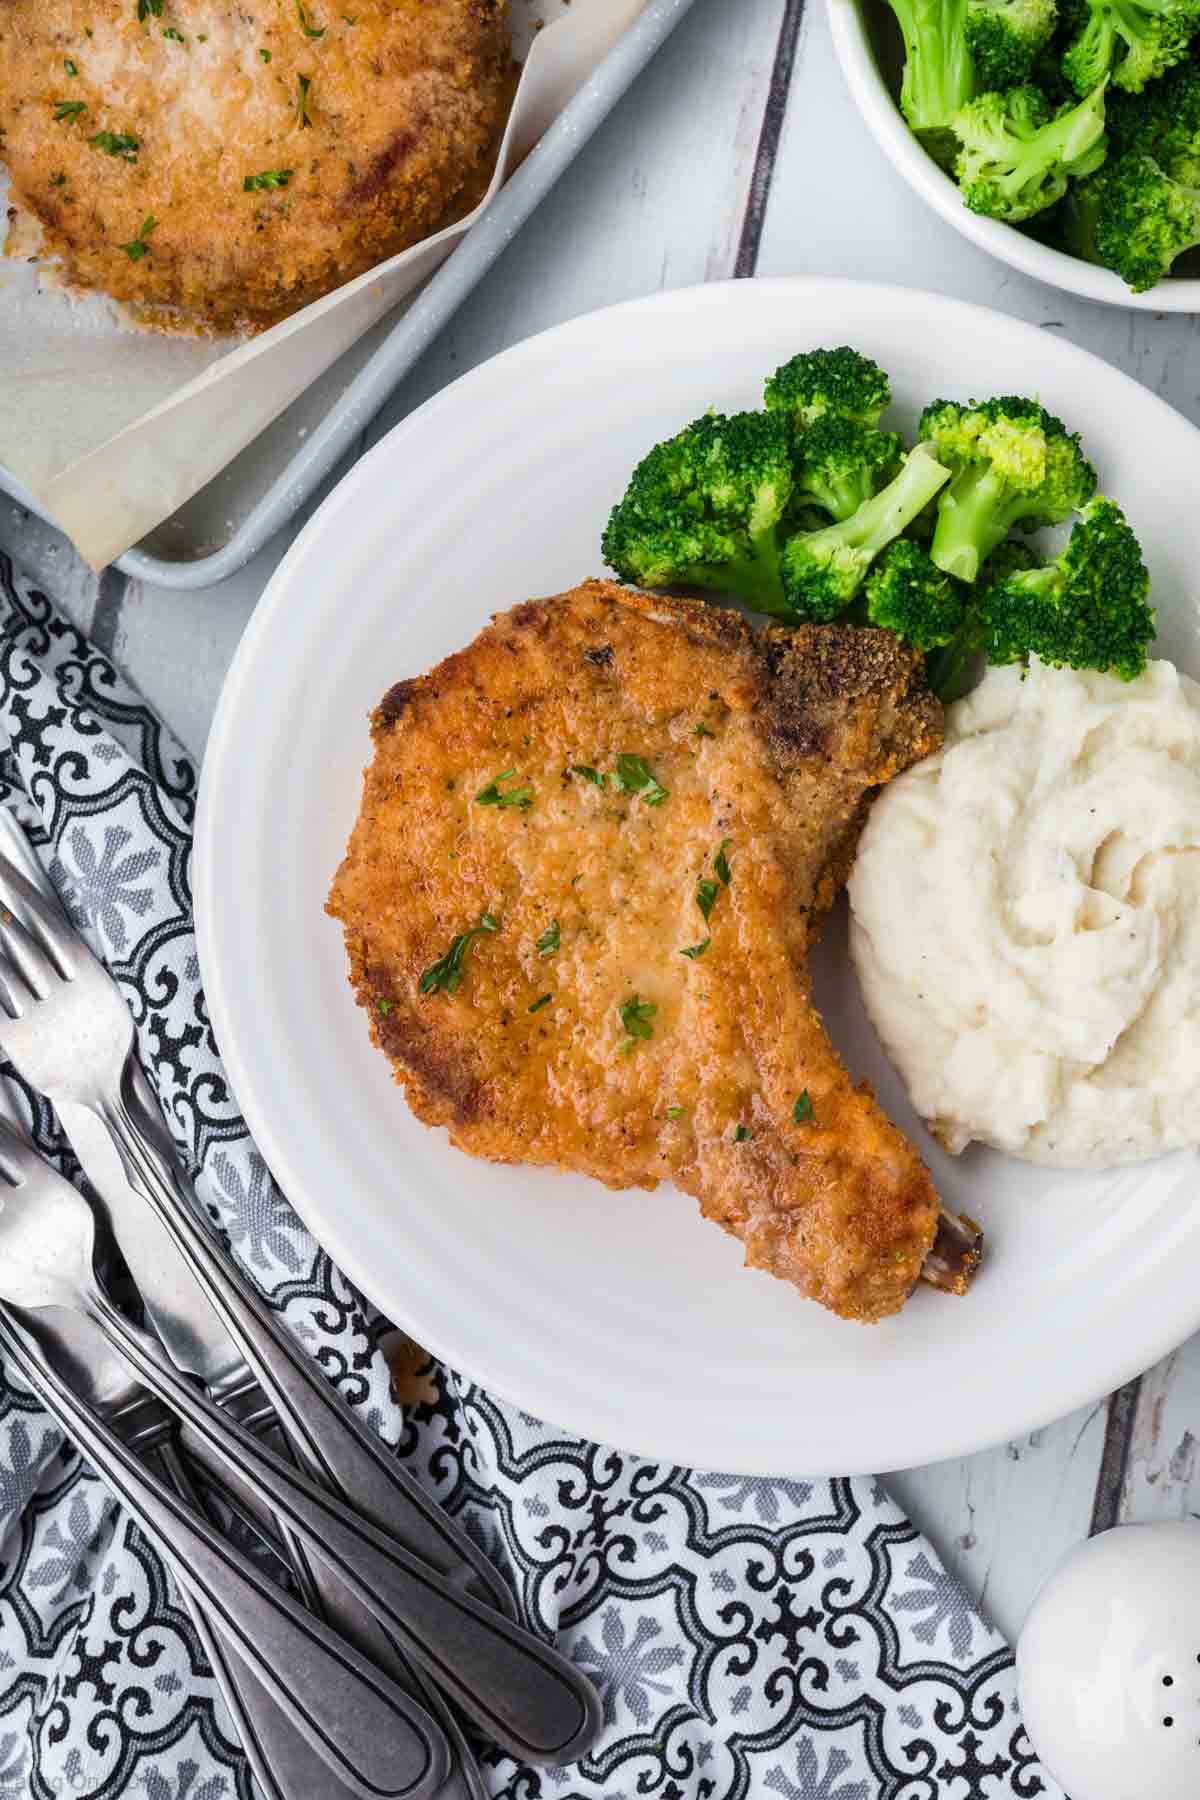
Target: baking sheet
pixel 109 430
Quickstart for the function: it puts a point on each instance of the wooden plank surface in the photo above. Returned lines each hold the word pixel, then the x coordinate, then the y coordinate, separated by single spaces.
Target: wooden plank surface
pixel 739 151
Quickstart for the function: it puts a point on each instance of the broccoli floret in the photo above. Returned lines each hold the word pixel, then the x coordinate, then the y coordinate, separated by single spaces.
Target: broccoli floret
pixel 1012 557
pixel 907 593
pixel 824 570
pixel 704 508
pixel 1018 154
pixel 952 670
pixel 1133 41
pixel 939 70
pixel 1136 220
pixel 819 382
pixel 1006 38
pixel 1088 609
pixel 1014 464
pixel 840 464
pixel 1163 122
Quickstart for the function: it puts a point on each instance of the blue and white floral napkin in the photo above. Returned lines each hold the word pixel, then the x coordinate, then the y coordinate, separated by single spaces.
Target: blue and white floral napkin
pixel 748 1637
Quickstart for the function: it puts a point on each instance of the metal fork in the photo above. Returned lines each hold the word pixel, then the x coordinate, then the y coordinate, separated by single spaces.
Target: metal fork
pixel 194 1338
pixel 65 1027
pixel 327 1436
pixel 283 1761
pixel 353 1716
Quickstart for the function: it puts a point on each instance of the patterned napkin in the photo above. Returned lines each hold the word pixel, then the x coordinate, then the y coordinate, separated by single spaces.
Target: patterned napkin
pixel 747 1636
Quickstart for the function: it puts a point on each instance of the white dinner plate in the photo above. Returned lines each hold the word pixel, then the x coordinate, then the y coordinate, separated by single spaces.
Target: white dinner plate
pixel 624 1316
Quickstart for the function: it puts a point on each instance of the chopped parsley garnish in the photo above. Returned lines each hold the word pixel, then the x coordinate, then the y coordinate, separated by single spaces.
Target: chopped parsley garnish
pixel 707 889
pixel 675 1112
pixel 589 774
pixel 146 7
pixel 694 951
pixel 445 975
pixel 538 1004
pixel 116 143
pixel 721 861
pixel 636 1015
pixel 494 795
pixel 576 879
pixel 303 118
pixel 137 247
pixel 742 1135
pixel 69 66
pixel 69 109
pixel 310 31
pixel 266 55
pixel 632 776
pixel 176 37
pixel 385 1006
pixel 802 1112
pixel 268 178
pixel 58 179
pixel 550 939
pixel 702 730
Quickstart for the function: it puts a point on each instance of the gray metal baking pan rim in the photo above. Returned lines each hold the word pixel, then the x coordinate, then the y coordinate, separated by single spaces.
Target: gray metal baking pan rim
pixel 433 308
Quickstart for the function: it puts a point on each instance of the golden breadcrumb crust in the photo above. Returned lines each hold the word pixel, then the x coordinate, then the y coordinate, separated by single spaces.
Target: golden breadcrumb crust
pixel 172 111
pixel 771 744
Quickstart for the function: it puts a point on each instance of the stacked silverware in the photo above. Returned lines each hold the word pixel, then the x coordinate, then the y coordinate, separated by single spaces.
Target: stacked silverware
pixel 351 1679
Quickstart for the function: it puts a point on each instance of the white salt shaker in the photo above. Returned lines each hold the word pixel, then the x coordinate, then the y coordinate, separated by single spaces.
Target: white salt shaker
pixel 1108 1666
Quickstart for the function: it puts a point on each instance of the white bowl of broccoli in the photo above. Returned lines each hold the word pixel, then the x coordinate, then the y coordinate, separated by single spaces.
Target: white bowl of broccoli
pixel 1074 158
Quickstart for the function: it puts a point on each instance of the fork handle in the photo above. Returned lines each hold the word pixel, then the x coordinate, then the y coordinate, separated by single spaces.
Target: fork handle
pixel 324 1594
pixel 381 1745
pixel 519 1691
pixel 522 1693
pixel 329 1440
pixel 282 1761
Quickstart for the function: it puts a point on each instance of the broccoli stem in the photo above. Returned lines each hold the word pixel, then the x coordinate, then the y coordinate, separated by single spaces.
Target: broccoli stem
pixel 1091 55
pixel 950 670
pixel 976 512
pixel 888 513
pixel 755 579
pixel 1059 145
pixel 1120 22
pixel 841 498
pixel 939 73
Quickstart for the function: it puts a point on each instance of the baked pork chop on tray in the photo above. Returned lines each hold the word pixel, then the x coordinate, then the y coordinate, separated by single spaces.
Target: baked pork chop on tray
pixel 219 166
pixel 593 853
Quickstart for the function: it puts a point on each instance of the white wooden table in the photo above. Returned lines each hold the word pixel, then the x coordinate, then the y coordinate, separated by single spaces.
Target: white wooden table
pixel 739 153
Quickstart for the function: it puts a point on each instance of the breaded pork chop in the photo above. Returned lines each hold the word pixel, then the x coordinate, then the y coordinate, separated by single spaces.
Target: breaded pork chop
pixel 357 125
pixel 642 808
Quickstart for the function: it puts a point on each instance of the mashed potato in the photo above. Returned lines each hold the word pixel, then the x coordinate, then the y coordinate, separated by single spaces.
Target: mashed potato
pixel 1027 919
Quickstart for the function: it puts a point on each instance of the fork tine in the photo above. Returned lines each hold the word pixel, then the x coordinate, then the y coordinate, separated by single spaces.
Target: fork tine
pixel 26 956
pixel 10 989
pixel 44 920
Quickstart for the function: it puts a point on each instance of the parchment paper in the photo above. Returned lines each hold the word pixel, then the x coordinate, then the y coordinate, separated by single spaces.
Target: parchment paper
pixel 109 428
